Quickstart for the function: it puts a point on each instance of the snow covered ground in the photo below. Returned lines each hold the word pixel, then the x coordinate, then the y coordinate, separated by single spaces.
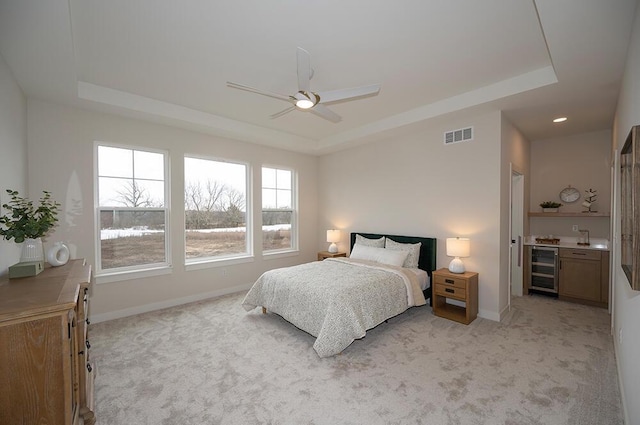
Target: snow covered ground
pixel 141 231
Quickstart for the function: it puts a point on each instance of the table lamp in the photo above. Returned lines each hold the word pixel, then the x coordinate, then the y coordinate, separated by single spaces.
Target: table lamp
pixel 333 236
pixel 457 247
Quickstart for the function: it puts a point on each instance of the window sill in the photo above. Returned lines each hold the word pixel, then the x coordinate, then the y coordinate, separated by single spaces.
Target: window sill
pixel 280 254
pixel 129 275
pixel 217 262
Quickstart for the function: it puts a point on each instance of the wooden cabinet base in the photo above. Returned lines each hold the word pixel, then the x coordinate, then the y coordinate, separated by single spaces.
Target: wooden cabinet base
pixel 584 276
pixel 583 301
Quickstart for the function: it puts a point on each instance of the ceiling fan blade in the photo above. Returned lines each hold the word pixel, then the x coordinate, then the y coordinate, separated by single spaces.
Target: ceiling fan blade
pixel 258 91
pixel 326 113
pixel 344 94
pixel 304 69
pixel 281 113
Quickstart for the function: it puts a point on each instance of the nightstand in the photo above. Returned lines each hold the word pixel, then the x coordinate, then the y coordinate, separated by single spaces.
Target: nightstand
pixel 456 286
pixel 326 254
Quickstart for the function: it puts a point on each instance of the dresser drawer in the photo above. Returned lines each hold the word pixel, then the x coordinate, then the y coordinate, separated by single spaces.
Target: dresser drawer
pixel 450 281
pixel 450 291
pixel 583 254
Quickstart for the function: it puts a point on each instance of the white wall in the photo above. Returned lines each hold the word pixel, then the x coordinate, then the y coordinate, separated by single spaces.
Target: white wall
pixel 13 146
pixel 415 185
pixel 582 161
pixel 627 302
pixel 60 156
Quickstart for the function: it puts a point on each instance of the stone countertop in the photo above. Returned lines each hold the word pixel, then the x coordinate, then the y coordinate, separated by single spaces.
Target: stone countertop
pixel 599 244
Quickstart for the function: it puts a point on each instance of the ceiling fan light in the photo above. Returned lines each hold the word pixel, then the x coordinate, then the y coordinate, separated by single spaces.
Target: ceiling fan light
pixel 304 100
pixel 304 103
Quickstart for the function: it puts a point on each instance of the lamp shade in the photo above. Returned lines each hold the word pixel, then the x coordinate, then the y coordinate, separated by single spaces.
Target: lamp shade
pixel 333 236
pixel 458 247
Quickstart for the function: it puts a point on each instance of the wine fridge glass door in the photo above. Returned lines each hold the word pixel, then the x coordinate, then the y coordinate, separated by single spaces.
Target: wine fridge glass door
pixel 544 269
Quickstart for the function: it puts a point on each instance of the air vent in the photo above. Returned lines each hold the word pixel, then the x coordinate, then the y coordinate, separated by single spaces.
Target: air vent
pixel 461 135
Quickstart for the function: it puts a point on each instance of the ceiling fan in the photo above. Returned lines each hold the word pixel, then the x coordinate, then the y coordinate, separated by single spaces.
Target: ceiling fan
pixel 307 100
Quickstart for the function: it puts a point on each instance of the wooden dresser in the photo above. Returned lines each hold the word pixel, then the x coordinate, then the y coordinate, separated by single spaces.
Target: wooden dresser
pixel 46 376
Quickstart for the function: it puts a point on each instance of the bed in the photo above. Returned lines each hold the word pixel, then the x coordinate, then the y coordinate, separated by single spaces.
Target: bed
pixel 337 300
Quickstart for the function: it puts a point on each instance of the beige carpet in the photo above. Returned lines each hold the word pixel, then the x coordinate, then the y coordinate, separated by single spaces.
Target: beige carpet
pixel 549 362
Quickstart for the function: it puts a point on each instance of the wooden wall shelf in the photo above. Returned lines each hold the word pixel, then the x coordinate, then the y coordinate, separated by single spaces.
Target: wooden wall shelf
pixel 568 214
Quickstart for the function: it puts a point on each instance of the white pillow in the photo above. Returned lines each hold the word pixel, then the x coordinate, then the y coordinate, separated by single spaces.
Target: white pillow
pixel 379 255
pixel 379 243
pixel 413 250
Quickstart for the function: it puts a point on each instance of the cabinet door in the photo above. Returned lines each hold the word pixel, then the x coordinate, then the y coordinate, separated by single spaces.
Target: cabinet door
pixel 580 279
pixel 35 368
pixel 604 287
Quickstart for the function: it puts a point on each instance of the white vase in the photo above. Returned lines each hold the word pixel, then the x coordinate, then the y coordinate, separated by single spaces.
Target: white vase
pixel 58 254
pixel 32 250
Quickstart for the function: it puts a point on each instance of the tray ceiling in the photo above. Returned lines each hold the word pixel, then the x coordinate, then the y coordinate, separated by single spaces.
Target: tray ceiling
pixel 169 61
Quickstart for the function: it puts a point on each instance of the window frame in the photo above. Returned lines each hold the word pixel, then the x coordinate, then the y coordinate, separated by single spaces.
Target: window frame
pixel 145 270
pixel 294 213
pixel 221 260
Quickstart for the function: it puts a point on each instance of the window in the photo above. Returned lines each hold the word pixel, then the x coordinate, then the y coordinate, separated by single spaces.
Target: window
pixel 215 204
pixel 278 213
pixel 132 212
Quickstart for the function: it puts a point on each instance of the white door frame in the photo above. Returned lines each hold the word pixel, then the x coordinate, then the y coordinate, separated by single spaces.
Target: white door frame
pixel 516 233
pixel 613 234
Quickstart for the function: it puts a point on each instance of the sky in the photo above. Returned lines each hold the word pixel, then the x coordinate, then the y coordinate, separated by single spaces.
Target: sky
pixel 118 166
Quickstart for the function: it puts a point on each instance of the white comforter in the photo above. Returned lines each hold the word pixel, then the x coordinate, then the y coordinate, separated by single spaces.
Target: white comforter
pixel 336 300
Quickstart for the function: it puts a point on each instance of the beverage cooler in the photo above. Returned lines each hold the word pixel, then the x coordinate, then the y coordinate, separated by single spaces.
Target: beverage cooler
pixel 544 269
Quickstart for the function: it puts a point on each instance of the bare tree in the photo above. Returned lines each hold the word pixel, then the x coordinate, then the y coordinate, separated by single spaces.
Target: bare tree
pixel 195 210
pixel 215 192
pixel 201 203
pixel 235 198
pixel 234 215
pixel 193 196
pixel 132 195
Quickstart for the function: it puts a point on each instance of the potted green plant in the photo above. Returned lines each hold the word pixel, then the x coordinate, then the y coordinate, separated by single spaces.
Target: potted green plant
pixel 28 224
pixel 550 206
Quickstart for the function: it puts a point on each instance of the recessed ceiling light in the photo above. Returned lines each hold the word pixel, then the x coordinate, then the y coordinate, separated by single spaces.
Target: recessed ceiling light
pixel 560 119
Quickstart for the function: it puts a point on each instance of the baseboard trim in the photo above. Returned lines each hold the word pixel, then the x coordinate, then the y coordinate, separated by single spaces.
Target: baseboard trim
pixel 132 311
pixel 504 312
pixel 620 381
pixel 491 315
